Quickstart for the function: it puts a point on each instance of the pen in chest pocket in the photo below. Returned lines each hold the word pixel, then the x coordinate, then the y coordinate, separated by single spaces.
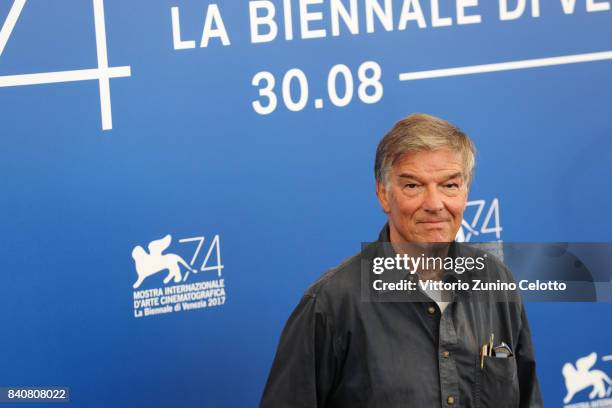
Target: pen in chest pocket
pixel 488 350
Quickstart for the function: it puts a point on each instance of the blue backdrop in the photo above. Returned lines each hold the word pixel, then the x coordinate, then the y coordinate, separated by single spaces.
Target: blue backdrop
pixel 259 152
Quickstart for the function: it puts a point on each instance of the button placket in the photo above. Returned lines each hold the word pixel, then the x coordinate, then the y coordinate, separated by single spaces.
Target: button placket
pixel 449 380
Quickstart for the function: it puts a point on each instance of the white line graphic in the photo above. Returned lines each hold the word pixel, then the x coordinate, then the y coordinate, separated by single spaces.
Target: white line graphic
pixel 63 76
pixel 103 73
pixel 506 66
pixel 607 358
pixel 9 24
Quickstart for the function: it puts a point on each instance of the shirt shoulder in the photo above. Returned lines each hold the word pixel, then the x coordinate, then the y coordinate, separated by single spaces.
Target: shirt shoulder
pixel 338 278
pixel 341 283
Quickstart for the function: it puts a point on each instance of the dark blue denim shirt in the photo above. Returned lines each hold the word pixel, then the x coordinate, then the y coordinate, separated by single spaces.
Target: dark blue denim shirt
pixel 340 348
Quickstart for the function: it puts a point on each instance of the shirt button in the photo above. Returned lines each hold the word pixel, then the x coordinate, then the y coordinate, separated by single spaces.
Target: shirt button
pixel 445 354
pixel 431 310
pixel 450 400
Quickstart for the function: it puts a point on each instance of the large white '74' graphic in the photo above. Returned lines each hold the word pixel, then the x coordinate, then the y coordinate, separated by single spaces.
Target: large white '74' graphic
pixel 102 73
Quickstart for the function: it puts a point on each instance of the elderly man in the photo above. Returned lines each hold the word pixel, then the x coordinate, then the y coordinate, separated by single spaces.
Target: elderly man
pixel 341 348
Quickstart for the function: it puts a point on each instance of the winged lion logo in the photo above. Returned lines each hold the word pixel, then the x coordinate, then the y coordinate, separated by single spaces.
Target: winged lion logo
pixel 581 377
pixel 156 261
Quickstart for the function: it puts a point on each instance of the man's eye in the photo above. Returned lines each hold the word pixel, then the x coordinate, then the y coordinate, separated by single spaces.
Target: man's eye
pixel 452 185
pixel 410 185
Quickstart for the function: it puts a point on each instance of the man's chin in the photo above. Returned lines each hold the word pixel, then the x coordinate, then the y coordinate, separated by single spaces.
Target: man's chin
pixel 427 234
pixel 437 236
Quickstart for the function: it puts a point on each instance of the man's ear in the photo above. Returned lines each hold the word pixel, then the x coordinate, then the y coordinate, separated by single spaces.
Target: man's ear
pixel 382 194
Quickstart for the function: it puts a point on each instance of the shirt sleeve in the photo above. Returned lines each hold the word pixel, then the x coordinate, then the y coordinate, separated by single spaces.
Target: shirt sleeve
pixel 529 386
pixel 305 367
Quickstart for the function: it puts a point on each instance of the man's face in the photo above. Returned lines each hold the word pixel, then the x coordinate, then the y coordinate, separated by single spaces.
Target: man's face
pixel 425 196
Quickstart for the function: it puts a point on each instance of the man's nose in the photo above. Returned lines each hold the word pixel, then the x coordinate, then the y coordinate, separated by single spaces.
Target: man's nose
pixel 433 200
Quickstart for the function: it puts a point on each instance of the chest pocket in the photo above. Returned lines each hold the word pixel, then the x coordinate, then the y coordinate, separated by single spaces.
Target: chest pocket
pixel 497 383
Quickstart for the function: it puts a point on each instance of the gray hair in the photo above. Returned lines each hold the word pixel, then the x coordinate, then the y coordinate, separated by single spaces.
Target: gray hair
pixel 422 132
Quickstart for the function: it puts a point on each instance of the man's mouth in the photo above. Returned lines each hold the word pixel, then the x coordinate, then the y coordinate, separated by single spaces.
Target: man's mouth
pixel 433 222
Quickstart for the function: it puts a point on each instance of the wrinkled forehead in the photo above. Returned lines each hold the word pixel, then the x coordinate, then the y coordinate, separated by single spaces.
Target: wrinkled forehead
pixel 440 163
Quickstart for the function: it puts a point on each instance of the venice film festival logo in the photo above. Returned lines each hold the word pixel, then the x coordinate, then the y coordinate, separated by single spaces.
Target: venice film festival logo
pixel 583 377
pixel 166 283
